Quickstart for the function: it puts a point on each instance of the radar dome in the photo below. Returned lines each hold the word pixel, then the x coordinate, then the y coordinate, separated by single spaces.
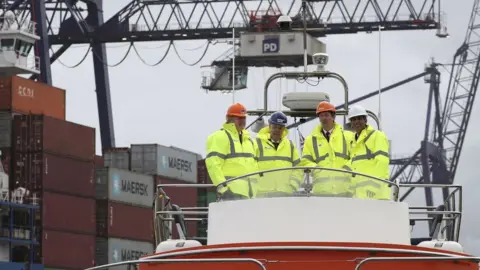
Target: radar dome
pixel 174 244
pixel 443 245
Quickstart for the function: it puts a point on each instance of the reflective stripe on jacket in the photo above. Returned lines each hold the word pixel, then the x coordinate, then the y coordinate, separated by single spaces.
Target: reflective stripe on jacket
pixel 370 156
pixel 227 157
pixel 286 155
pixel 317 151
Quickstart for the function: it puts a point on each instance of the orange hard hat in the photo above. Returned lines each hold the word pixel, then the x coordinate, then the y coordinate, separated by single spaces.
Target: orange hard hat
pixel 237 110
pixel 325 106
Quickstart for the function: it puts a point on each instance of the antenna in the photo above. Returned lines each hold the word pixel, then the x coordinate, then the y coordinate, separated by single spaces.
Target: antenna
pixel 304 15
pixel 233 66
pixel 380 75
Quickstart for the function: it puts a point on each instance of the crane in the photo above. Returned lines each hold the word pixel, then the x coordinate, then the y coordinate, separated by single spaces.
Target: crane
pixel 82 22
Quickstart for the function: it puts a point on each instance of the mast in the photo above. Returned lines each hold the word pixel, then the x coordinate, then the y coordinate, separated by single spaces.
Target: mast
pixel 233 66
pixel 304 15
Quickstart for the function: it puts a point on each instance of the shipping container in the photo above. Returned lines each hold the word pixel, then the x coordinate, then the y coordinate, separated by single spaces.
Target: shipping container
pixel 68 250
pixel 68 213
pixel 33 133
pixel 118 158
pixel 186 151
pixel 6 120
pixel 168 162
pixel 20 266
pixel 183 197
pixel 125 187
pixel 202 173
pixel 44 171
pixel 99 162
pixel 124 221
pixel 26 96
pixel 114 250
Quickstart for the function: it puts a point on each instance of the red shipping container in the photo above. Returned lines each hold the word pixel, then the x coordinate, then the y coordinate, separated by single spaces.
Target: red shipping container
pixel 68 213
pixel 68 250
pixel 27 96
pixel 43 171
pixel 35 133
pixel 99 162
pixel 202 173
pixel 183 197
pixel 124 221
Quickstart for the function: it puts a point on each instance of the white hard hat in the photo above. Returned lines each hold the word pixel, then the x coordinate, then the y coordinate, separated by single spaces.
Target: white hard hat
pixel 356 110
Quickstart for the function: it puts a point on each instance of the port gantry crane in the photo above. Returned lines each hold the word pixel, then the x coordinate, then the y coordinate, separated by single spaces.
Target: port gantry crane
pixel 82 22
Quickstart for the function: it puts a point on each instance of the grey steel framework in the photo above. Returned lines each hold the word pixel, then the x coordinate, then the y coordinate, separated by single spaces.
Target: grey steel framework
pixel 82 22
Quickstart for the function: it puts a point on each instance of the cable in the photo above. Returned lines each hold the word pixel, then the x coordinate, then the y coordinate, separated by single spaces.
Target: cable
pixel 379 75
pixel 119 62
pixel 139 46
pixel 309 81
pixel 159 61
pixel 195 63
pixel 280 91
pixel 197 48
pixel 76 65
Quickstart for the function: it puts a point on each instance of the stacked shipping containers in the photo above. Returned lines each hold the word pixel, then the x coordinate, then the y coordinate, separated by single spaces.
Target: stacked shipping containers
pixel 19 96
pixel 117 158
pixel 124 215
pixel 22 96
pixel 54 159
pixel 99 162
pixel 170 165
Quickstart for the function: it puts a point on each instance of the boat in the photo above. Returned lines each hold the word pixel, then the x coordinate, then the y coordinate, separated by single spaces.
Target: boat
pixel 304 231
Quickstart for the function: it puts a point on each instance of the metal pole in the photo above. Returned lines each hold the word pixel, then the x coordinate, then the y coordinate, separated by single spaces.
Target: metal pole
pixel 379 74
pixel 233 66
pixel 305 61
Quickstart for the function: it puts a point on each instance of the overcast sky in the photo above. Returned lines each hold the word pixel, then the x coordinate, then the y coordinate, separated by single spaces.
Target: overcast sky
pixel 165 104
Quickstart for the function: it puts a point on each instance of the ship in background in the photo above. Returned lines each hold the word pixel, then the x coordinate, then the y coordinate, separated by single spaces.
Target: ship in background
pixel 54 189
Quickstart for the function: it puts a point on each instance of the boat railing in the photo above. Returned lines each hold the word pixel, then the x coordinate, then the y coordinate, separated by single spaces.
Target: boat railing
pixel 308 176
pixel 134 263
pixel 418 259
pixel 445 220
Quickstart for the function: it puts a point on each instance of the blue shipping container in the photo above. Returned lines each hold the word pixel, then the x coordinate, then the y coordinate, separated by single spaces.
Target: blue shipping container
pixel 19 266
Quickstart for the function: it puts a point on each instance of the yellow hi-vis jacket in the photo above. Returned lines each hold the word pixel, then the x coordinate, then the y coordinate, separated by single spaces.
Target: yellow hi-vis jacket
pixel 370 156
pixel 227 157
pixel 317 151
pixel 286 155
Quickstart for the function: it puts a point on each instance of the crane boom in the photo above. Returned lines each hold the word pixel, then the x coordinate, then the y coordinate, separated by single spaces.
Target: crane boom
pixel 462 88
